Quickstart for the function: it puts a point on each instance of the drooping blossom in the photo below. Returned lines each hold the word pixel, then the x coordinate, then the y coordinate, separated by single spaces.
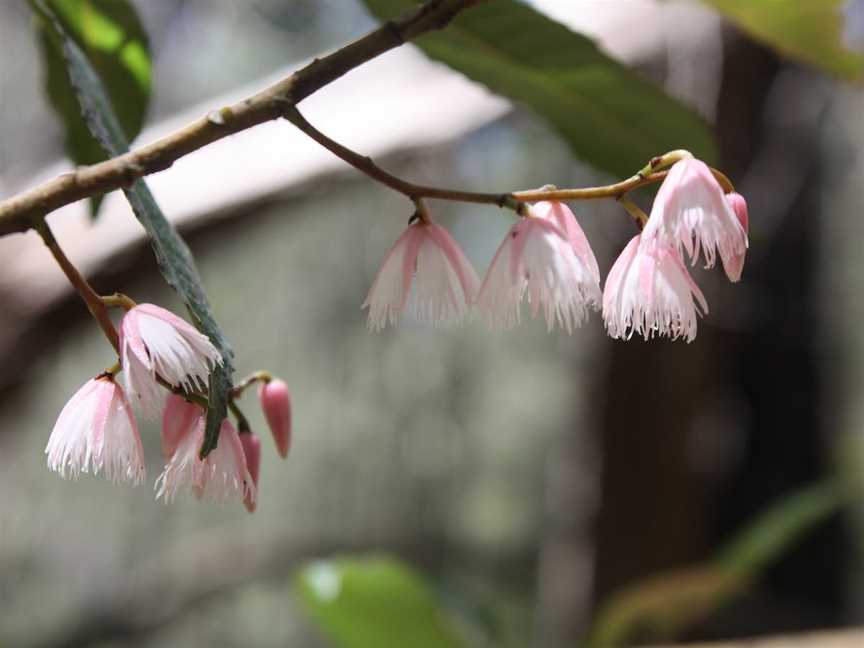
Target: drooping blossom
pixel 252 451
pixel 649 292
pixel 276 404
pixel 155 342
pixel 96 432
pixel 692 214
pixel 560 214
pixel 445 283
pixel 734 264
pixel 221 475
pixel 537 260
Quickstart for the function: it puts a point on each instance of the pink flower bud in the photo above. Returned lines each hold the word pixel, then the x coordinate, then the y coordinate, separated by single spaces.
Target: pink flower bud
pixel 733 262
pixel 252 451
pixel 276 403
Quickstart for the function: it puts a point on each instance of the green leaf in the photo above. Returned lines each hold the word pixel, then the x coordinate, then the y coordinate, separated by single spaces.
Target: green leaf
pixel 806 30
pixel 780 526
pixel 610 116
pixel 661 606
pixel 373 603
pixel 114 42
pixel 172 254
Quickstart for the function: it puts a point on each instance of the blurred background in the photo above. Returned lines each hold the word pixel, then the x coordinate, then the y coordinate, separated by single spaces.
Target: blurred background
pixel 546 489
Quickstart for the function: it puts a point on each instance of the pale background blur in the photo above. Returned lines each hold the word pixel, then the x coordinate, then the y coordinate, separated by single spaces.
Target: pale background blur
pixel 527 474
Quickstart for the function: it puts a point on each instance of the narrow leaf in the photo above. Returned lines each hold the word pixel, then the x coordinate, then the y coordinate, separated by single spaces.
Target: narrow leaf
pixel 111 36
pixel 610 116
pixel 172 254
pixel 806 30
pixel 661 606
pixel 373 603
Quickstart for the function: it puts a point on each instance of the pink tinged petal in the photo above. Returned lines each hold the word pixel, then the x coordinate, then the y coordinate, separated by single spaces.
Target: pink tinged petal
pixel 615 278
pixel 560 214
pixel 389 290
pixel 459 263
pixel 178 420
pixel 276 405
pixel 96 431
pixel 537 260
pixel 501 291
pixel 733 262
pixel 650 292
pixel 227 474
pixel 252 452
pixel 222 475
pixel 155 342
pixel 184 468
pixel 445 284
pixel 691 212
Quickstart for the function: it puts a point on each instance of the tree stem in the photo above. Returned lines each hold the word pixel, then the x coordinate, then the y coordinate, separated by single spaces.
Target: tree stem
pixel 91 298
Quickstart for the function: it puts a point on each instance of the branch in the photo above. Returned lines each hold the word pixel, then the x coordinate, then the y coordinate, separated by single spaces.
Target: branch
pixel 416 192
pixel 21 212
pixel 95 304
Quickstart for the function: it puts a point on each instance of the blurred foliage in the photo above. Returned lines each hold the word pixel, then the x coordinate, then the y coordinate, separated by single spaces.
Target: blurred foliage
pixel 374 603
pixel 115 43
pixel 662 606
pixel 608 115
pixel 807 30
pixel 175 259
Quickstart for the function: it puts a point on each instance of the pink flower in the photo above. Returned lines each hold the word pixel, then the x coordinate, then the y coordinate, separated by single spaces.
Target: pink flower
pixel 178 419
pixel 276 404
pixel 252 451
pixel 221 475
pixel 444 281
pixel 560 214
pixel 691 212
pixel 96 431
pixel 649 292
pixel 734 264
pixel 538 259
pixel 155 342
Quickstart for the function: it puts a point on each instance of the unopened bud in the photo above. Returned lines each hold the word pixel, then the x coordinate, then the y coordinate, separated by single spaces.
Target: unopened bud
pixel 276 403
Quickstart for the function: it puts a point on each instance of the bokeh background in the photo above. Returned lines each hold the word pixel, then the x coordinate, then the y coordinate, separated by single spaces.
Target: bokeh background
pixel 531 478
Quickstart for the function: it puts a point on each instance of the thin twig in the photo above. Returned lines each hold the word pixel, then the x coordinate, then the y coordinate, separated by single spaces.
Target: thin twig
pixel 23 211
pixel 91 298
pixel 416 191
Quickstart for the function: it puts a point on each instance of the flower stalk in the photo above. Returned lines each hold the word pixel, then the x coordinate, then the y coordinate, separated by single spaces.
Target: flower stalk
pixel 90 297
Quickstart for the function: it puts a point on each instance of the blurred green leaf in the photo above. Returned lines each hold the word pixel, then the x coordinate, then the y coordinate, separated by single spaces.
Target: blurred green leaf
pixel 374 602
pixel 610 116
pixel 778 528
pixel 112 38
pixel 806 30
pixel 660 607
pixel 173 255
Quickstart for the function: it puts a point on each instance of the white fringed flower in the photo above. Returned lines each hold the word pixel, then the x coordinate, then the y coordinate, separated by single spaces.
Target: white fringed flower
pixel 538 260
pixel 222 475
pixel 96 431
pixel 155 342
pixel 691 212
pixel 649 292
pixel 445 284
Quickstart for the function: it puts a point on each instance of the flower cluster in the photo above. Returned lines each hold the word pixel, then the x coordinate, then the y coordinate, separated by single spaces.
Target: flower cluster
pixel 96 430
pixel 546 260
